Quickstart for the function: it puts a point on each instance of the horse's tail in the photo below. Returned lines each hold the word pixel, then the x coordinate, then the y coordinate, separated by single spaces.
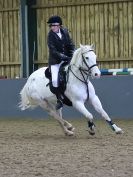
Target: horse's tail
pixel 24 103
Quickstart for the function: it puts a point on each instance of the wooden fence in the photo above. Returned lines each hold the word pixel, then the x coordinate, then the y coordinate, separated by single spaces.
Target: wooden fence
pixel 9 39
pixel 106 23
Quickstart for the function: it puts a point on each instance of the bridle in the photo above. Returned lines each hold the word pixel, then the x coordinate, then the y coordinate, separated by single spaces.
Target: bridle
pixel 84 72
pixel 84 61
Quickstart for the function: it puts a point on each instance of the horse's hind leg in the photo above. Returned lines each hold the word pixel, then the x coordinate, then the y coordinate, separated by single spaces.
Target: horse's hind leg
pixel 51 110
pixel 98 107
pixel 66 123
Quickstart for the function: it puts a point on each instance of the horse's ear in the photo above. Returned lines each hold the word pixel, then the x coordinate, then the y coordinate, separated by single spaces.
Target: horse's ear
pixel 93 46
pixel 81 46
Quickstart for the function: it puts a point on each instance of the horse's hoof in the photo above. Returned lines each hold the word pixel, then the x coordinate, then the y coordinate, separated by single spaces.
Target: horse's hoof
pixel 71 129
pixel 69 133
pixel 91 132
pixel 119 131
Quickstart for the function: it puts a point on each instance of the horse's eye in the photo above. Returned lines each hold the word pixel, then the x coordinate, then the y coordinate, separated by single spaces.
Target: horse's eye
pixel 87 58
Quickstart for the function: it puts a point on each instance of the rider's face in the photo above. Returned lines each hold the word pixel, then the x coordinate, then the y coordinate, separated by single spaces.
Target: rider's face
pixel 55 27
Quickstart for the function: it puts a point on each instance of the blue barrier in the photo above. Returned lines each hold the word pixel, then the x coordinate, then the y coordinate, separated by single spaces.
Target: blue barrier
pixel 115 93
pixel 114 72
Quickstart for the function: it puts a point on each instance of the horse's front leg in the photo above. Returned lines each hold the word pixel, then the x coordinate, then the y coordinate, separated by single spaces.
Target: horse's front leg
pixel 98 107
pixel 82 109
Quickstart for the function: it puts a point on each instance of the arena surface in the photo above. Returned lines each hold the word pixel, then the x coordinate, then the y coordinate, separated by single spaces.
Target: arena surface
pixel 38 148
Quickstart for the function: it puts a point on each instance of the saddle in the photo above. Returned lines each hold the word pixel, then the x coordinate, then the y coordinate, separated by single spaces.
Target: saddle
pixel 62 80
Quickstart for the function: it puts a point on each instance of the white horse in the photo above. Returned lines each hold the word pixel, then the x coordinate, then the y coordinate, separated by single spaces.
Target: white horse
pixel 79 88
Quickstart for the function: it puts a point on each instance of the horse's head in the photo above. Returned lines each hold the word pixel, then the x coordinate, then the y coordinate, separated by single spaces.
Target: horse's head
pixel 89 60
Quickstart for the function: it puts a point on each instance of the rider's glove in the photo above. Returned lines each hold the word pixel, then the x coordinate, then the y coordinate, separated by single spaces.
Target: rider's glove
pixel 65 58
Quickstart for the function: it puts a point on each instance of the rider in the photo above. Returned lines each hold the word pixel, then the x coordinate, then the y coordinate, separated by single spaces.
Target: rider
pixel 61 49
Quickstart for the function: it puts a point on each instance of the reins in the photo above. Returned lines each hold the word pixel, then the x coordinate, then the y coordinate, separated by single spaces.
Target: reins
pixel 84 80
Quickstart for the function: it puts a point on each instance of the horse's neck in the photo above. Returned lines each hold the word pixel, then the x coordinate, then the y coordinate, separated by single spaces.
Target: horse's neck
pixel 76 59
pixel 75 75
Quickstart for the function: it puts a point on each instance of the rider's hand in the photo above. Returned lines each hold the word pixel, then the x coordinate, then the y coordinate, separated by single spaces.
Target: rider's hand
pixel 65 58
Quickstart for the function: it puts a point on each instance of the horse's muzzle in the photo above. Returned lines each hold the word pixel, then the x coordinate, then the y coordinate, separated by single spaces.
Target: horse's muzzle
pixel 96 75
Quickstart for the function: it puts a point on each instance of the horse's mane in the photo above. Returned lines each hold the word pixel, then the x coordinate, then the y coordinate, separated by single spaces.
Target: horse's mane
pixel 75 56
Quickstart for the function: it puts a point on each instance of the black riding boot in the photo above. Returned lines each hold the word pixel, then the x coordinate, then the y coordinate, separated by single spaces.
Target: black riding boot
pixel 59 101
pixel 59 97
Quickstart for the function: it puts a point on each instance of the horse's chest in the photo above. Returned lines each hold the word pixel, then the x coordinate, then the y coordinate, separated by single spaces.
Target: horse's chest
pixel 79 92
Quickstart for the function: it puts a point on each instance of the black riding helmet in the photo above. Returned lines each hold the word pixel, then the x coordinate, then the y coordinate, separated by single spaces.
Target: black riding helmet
pixel 55 19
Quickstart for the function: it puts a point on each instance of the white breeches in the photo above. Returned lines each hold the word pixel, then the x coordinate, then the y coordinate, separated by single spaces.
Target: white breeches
pixel 54 72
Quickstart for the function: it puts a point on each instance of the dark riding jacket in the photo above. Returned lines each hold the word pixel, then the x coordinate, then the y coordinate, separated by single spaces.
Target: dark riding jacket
pixel 60 49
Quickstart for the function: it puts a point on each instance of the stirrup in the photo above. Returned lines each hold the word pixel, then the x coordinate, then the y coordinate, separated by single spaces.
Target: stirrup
pixel 59 104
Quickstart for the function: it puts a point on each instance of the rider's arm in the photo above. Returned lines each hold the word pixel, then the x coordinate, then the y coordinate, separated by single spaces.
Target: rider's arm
pixel 54 51
pixel 71 45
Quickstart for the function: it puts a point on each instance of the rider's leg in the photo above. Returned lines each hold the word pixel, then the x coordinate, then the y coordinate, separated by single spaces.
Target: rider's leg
pixel 54 72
